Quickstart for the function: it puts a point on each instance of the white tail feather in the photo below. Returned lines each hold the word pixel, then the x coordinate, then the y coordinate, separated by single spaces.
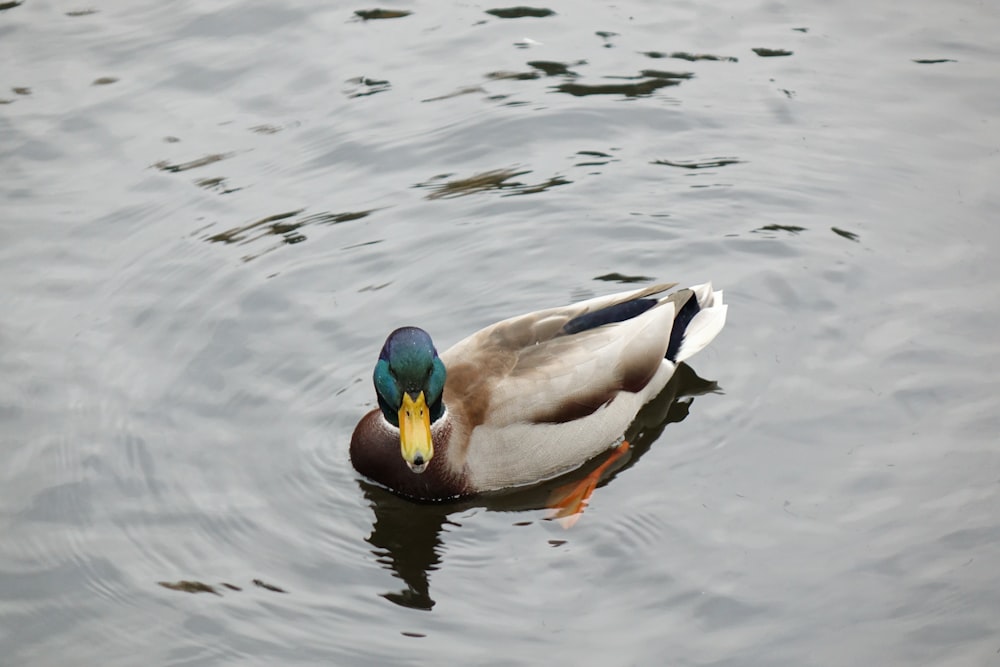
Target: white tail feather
pixel 704 326
pixel 705 295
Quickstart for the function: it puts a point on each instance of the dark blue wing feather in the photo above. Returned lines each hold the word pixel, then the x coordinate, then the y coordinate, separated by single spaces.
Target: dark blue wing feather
pixel 616 313
pixel 684 317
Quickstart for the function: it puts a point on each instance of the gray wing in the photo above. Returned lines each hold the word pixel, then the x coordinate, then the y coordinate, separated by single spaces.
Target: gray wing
pixel 526 369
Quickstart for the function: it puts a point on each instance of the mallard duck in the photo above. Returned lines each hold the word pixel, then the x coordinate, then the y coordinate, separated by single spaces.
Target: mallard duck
pixel 528 398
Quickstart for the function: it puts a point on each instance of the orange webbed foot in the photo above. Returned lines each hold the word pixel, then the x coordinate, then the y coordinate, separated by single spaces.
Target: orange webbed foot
pixel 569 501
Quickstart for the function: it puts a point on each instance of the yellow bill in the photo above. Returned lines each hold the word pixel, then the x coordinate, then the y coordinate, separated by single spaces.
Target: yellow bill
pixel 415 432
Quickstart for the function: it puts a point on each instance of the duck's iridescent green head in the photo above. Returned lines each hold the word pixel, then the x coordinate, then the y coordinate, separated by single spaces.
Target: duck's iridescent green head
pixel 409 381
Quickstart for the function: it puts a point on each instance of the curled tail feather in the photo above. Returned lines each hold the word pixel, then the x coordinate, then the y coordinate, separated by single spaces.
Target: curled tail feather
pixel 697 323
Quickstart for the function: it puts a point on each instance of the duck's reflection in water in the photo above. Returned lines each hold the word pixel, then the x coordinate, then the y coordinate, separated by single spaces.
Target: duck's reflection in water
pixel 406 535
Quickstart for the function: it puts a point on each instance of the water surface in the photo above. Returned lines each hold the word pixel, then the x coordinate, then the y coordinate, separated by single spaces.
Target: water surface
pixel 214 212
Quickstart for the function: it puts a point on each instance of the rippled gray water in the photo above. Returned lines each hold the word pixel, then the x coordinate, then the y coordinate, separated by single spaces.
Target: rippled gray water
pixel 214 212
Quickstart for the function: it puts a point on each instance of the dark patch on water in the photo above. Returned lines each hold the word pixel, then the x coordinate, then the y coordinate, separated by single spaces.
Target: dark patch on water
pixel 553 68
pixel 163 165
pixel 377 14
pixel 933 61
pixel 461 91
pixel 851 236
pixel 520 12
pixel 270 587
pixel 271 224
pixel 515 76
pixel 496 179
pixel 771 53
pixel 794 229
pixel 218 184
pixel 363 244
pixel 606 36
pixel 553 182
pixel 186 586
pixel 640 89
pixel 661 74
pixel 192 586
pixel 690 57
pixel 598 159
pixel 622 278
pixel 286 226
pixel 709 163
pixel 363 86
